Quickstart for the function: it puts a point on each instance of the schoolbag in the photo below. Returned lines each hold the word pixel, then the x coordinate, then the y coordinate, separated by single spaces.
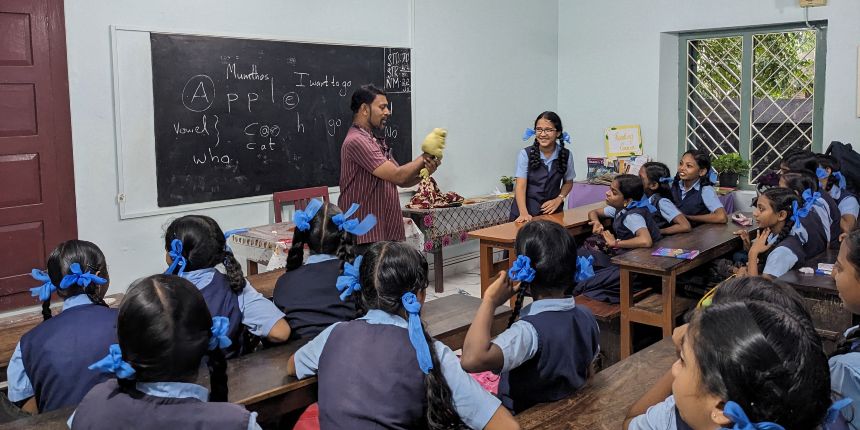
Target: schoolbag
pixel 849 161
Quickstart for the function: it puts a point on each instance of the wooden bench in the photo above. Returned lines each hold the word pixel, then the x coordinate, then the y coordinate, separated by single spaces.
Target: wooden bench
pixel 264 282
pixel 608 318
pixel 260 382
pixel 605 399
pixel 711 240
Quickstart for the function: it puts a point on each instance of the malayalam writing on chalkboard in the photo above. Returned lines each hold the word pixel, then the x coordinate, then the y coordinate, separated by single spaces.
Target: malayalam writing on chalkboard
pixel 242 117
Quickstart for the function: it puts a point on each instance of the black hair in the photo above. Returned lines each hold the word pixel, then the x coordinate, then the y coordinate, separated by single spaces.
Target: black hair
pixel 364 95
pixel 703 160
pixel 563 153
pixel 204 246
pixel 761 289
pixel 764 358
pixel 654 171
pixel 781 199
pixel 799 181
pixel 630 186
pixel 323 237
pixel 89 257
pixel 800 159
pixel 829 162
pixel 852 241
pixel 163 330
pixel 552 251
pixel 389 270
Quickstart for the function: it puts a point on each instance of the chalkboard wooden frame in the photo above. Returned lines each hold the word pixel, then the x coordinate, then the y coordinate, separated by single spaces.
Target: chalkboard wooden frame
pixel 122 197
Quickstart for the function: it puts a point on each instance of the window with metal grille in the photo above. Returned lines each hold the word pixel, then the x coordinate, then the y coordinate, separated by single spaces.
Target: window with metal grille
pixel 758 92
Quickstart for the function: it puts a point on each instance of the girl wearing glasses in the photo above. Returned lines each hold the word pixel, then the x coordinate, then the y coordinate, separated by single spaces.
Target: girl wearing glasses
pixel 544 170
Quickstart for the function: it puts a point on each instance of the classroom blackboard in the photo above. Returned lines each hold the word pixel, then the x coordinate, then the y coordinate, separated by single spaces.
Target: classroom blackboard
pixel 244 117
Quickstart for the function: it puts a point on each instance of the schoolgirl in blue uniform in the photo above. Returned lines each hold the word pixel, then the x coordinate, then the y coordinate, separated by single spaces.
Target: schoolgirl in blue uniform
pixel 546 352
pixel 744 365
pixel 656 179
pixel 775 248
pixel 195 246
pixel 307 293
pixel 164 329
pixel 845 361
pixel 544 170
pixel 634 227
pixel 383 370
pixel 822 228
pixel 693 191
pixel 835 185
pixel 49 364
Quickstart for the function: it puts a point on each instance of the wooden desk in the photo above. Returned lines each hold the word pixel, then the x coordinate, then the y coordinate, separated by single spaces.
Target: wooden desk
pixel 814 284
pixel 502 237
pixel 260 382
pixel 605 399
pixel 264 282
pixel 712 240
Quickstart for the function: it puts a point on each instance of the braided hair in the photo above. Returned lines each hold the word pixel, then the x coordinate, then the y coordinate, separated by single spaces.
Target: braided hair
pixel 800 181
pixel 553 254
pixel 389 270
pixel 563 153
pixel 204 246
pixel 799 159
pixel 163 328
pixel 90 258
pixel 829 162
pixel 654 171
pixel 323 237
pixel 781 199
pixel 765 358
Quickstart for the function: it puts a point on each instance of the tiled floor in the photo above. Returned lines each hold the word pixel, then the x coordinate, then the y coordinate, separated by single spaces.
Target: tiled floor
pixel 466 282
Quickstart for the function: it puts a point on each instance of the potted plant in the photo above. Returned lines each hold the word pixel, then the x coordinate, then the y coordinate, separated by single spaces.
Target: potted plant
pixel 730 167
pixel 508 182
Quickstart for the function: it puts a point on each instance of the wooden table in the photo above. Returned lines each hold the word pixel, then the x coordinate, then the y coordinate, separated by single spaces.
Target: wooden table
pixel 503 236
pixel 260 382
pixel 814 284
pixel 605 399
pixel 712 240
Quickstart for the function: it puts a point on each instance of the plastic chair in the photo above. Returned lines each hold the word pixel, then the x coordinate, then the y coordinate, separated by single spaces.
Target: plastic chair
pixel 298 198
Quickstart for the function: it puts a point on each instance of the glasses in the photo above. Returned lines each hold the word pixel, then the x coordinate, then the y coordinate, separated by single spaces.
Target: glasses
pixel 544 130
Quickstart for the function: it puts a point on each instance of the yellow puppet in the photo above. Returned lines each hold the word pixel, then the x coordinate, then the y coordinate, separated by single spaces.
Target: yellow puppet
pixel 433 145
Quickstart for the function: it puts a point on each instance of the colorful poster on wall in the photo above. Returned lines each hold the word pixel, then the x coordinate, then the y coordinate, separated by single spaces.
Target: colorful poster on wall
pixel 623 141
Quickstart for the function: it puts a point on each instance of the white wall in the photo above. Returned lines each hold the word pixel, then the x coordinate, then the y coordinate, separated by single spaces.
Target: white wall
pixel 617 67
pixel 481 68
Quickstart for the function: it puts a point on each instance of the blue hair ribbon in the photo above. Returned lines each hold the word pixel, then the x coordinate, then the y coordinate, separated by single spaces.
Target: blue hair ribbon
pixel 841 178
pixel 565 137
pixel 353 226
pixel 113 363
pixel 735 413
pixel 302 218
pixel 584 268
pixel 712 175
pixel 416 333
pixel 219 339
pixel 43 291
pixel 799 212
pixel 809 197
pixel 176 258
pixel 80 278
pixel 666 180
pixel 522 269
pixel 229 233
pixel 821 172
pixel 644 202
pixel 348 282
pixel 528 133
pixel 835 408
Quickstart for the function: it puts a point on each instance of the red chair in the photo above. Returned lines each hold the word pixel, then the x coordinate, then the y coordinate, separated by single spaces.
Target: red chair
pixel 298 198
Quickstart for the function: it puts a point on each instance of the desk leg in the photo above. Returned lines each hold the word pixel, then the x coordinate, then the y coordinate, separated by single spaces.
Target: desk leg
pixel 668 322
pixel 252 267
pixel 437 271
pixel 486 265
pixel 626 304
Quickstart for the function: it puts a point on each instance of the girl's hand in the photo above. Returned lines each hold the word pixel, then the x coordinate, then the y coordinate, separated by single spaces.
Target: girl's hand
pixel 551 205
pixel 501 290
pixel 523 218
pixel 596 227
pixel 610 239
pixel 745 237
pixel 760 245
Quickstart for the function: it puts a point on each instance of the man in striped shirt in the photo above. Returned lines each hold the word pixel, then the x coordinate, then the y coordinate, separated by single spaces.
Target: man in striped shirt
pixel 369 175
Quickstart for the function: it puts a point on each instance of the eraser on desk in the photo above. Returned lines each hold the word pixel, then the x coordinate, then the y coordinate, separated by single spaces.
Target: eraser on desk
pixel 806 270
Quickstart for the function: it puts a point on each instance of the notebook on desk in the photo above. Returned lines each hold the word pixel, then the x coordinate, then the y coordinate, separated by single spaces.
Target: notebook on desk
pixel 685 254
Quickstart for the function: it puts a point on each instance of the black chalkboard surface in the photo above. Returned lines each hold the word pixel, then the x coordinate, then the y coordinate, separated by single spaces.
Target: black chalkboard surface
pixel 244 117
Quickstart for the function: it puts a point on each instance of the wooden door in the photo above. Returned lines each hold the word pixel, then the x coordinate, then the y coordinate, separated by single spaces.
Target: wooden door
pixel 37 195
